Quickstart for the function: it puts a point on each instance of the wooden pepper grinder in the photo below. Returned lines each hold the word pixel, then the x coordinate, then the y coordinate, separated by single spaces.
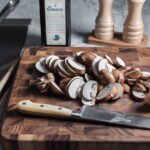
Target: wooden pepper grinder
pixel 104 23
pixel 134 26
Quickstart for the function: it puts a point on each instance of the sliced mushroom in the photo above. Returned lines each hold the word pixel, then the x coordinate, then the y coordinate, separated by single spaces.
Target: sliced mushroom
pixel 95 66
pixel 49 58
pixel 119 91
pixel 133 74
pixel 138 96
pixel 71 71
pixel 106 77
pixel 62 70
pixel 139 87
pixel 145 84
pixel 50 76
pixel 119 62
pixel 109 59
pixel 79 53
pixel 55 88
pixel 145 75
pixel 90 90
pixel 126 88
pixel 88 103
pixel 131 82
pixel 102 64
pixel 76 66
pixel 107 93
pixel 86 58
pixel 87 77
pixel 100 87
pixel 52 61
pixel 40 67
pixel 124 69
pixel 80 89
pixel 109 67
pixel 73 86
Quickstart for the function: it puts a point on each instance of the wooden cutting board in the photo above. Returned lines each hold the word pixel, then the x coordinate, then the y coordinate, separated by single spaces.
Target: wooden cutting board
pixel 23 132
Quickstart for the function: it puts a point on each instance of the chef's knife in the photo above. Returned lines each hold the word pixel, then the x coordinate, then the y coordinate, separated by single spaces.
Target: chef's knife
pixel 85 113
pixel 8 8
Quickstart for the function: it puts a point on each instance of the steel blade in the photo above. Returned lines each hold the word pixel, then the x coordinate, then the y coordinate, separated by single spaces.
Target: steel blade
pixel 114 118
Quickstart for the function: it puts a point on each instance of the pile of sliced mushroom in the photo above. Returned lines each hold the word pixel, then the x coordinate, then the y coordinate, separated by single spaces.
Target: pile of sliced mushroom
pixel 91 78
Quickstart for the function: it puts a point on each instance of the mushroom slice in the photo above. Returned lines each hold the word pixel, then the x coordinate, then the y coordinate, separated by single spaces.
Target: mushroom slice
pixel 102 64
pixel 73 86
pixel 76 66
pixel 71 71
pixel 119 62
pixel 40 66
pixel 109 67
pixel 55 88
pixel 138 96
pixel 95 66
pixel 88 103
pixel 90 90
pixel 49 58
pixel 79 53
pixel 126 88
pixel 61 68
pixel 119 91
pixel 87 77
pixel 139 87
pixel 107 93
pixel 86 58
pixel 50 76
pixel 106 77
pixel 52 62
pixel 145 84
pixel 131 81
pixel 133 74
pixel 145 75
pixel 109 59
pixel 80 89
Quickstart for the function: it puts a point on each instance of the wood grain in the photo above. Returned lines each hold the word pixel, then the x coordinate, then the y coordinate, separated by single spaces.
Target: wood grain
pixel 45 133
pixel 117 41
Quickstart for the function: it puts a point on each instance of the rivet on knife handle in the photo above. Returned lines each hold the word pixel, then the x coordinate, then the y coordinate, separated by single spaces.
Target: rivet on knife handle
pixel 29 107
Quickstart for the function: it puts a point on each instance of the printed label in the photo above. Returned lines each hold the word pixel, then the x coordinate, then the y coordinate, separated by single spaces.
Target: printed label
pixel 55 14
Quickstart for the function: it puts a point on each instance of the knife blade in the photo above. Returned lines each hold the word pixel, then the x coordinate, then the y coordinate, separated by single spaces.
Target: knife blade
pixel 85 113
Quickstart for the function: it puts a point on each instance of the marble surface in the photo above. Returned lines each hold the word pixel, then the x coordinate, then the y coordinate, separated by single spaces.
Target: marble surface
pixel 83 17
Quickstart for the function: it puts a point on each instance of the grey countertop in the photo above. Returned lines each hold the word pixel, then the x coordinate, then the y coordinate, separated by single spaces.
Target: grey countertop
pixel 83 17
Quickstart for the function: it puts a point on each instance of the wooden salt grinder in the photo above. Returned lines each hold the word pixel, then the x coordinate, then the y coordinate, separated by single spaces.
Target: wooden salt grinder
pixel 104 29
pixel 134 26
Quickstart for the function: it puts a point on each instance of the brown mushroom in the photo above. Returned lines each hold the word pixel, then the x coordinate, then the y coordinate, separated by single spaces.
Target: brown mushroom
pixel 145 75
pixel 55 88
pixel 41 67
pixel 107 93
pixel 126 88
pixel 139 87
pixel 138 96
pixel 90 90
pixel 119 62
pixel 106 77
pixel 76 66
pixel 86 58
pixel 73 86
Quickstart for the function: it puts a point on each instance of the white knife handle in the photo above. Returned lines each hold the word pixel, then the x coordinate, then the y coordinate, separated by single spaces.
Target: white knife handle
pixel 29 107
